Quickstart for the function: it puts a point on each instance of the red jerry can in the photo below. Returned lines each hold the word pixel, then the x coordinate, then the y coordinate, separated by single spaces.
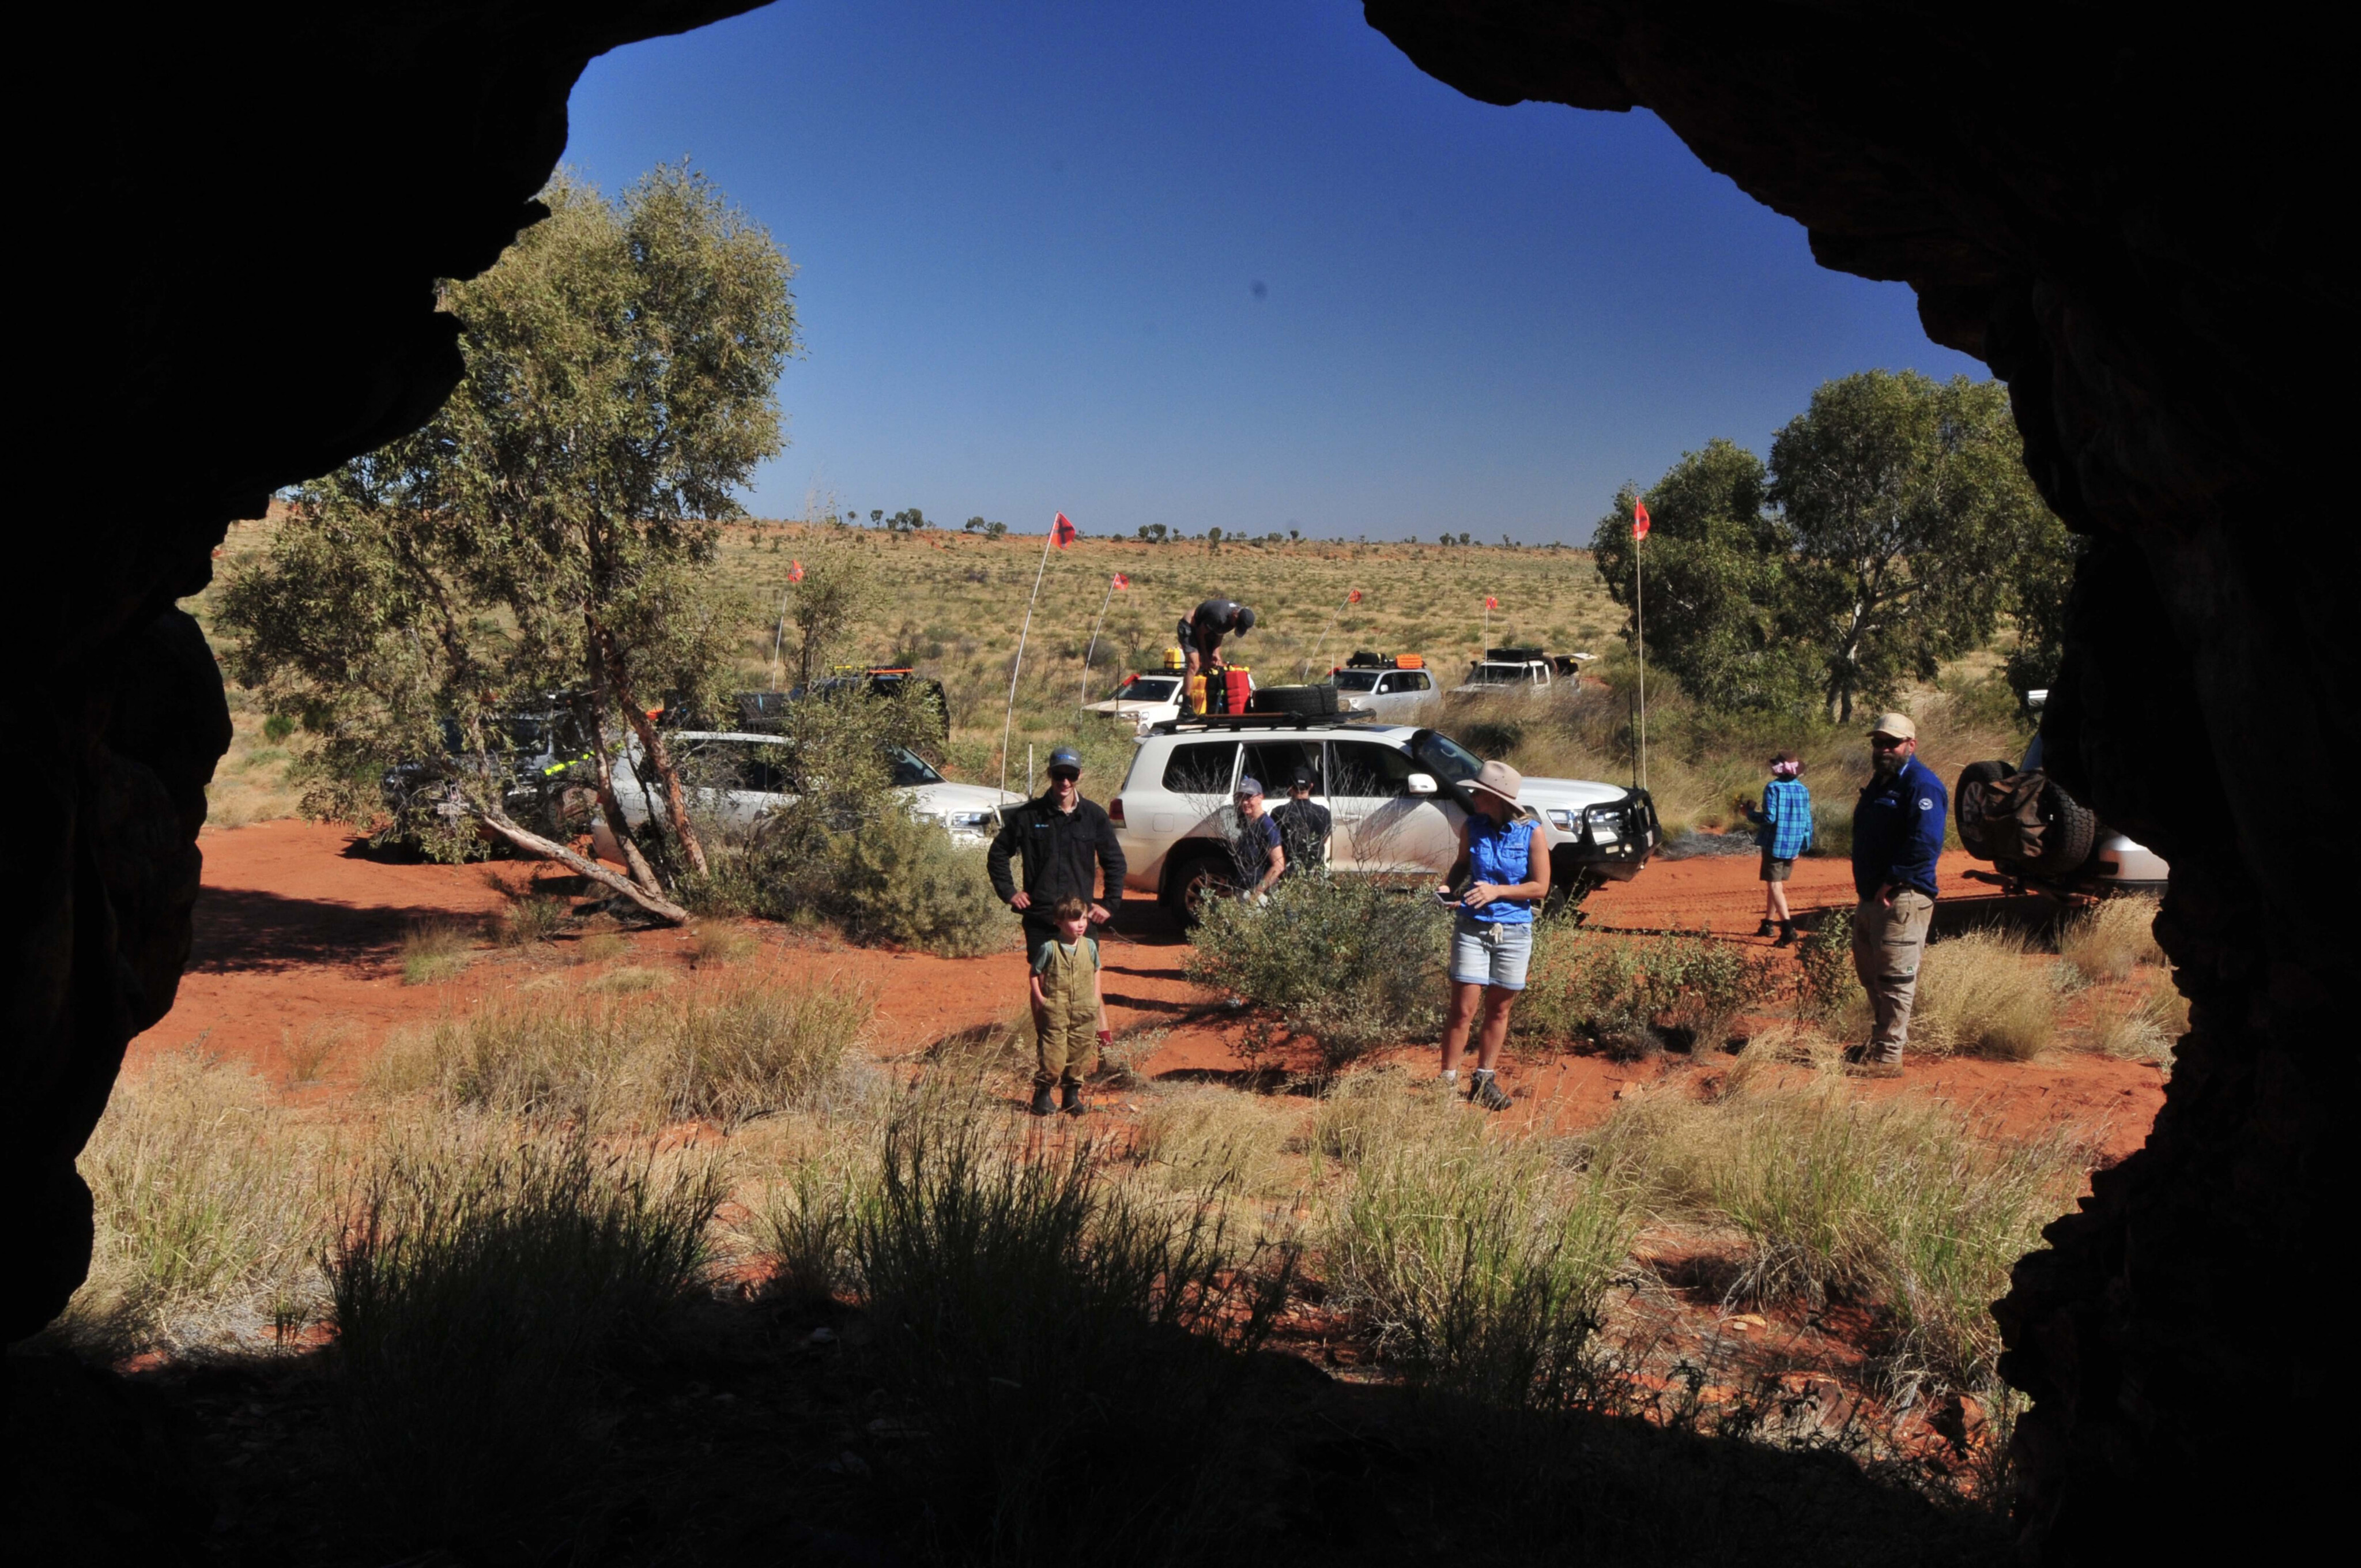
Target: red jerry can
pixel 1241 685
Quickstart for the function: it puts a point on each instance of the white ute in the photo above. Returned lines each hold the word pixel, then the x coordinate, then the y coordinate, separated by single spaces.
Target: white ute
pixel 736 779
pixel 1397 794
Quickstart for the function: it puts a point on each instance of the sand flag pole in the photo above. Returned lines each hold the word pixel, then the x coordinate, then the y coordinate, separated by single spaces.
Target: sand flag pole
pixel 1083 695
pixel 1640 628
pixel 1061 533
pixel 1353 598
pixel 1490 604
pixel 779 642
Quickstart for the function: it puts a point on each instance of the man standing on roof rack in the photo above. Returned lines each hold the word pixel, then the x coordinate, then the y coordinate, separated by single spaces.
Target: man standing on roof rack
pixel 1203 628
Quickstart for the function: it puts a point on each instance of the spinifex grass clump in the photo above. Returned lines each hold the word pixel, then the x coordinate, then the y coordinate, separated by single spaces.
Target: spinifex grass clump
pixel 475 1291
pixel 724 1054
pixel 1629 997
pixel 1904 1204
pixel 434 950
pixel 1482 1261
pixel 205 1206
pixel 1980 994
pixel 1355 962
pixel 1055 1334
pixel 2112 938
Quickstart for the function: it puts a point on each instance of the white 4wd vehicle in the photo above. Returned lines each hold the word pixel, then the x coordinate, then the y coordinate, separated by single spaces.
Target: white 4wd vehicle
pixel 1399 795
pixel 1403 696
pixel 735 779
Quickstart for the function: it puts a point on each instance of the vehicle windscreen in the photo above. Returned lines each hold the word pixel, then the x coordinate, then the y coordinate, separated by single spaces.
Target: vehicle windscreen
pixel 1146 690
pixel 1444 758
pixel 1355 680
pixel 910 769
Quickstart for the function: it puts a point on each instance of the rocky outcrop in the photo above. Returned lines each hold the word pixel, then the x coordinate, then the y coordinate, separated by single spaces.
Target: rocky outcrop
pixel 230 224
pixel 2121 219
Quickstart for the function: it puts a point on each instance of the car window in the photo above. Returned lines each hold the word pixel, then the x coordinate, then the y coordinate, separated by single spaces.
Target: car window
pixel 910 769
pixel 1418 681
pixel 1447 758
pixel 1355 680
pixel 1275 761
pixel 1145 690
pixel 1364 768
pixel 1201 767
pixel 1389 684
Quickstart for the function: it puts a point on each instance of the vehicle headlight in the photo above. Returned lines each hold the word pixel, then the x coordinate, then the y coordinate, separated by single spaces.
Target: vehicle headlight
pixel 971 821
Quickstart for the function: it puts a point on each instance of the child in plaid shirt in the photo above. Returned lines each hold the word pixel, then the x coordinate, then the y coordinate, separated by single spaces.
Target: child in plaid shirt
pixel 1783 829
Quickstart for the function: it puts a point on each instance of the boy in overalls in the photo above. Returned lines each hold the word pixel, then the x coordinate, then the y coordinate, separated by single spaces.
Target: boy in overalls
pixel 1069 1014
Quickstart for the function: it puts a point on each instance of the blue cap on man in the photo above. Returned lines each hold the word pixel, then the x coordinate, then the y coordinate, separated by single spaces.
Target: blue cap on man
pixel 1065 757
pixel 1249 785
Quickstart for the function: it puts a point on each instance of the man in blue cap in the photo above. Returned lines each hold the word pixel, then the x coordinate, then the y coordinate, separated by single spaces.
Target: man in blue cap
pixel 1069 852
pixel 1897 836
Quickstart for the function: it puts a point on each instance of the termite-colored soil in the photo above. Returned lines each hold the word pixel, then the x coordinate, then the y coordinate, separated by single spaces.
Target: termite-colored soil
pixel 300 927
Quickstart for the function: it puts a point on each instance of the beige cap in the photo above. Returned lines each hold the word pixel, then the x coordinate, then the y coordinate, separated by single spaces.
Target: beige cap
pixel 1897 725
pixel 1499 779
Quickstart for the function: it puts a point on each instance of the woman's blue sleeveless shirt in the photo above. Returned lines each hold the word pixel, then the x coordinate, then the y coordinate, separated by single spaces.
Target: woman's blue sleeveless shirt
pixel 1502 856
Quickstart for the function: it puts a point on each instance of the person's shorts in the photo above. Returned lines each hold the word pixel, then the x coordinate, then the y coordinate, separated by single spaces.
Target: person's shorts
pixel 1775 869
pixel 1490 952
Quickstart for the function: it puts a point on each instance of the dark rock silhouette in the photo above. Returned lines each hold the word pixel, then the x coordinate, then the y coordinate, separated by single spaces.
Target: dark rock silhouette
pixel 238 217
pixel 2122 219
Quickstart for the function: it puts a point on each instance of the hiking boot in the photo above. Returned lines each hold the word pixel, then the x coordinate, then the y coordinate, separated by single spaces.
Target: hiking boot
pixel 1764 929
pixel 1069 1099
pixel 1870 1059
pixel 1485 1090
pixel 1786 935
pixel 1042 1104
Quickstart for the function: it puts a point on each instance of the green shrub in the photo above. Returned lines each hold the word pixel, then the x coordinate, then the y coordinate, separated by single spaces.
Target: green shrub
pixel 434 950
pixel 1356 962
pixel 1631 997
pixel 1826 985
pixel 530 921
pixel 1481 1262
pixel 897 880
pixel 475 1293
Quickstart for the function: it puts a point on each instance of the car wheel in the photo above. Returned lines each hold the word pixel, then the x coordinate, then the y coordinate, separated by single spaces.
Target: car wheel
pixel 2073 828
pixel 1205 877
pixel 1967 805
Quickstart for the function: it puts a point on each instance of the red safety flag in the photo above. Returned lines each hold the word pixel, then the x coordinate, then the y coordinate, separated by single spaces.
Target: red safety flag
pixel 794 571
pixel 1353 598
pixel 1062 533
pixel 1121 581
pixel 1638 520
pixel 1491 603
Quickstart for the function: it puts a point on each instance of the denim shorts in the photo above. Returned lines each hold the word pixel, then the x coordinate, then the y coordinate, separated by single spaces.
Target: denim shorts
pixel 1490 952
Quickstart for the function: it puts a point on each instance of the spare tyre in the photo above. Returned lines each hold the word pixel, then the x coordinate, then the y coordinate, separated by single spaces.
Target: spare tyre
pixel 2073 828
pixel 1303 700
pixel 1967 797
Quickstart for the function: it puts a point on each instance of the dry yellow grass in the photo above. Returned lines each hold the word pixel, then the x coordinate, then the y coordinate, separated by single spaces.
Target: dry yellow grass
pixel 1205 1138
pixel 2142 1022
pixel 1982 994
pixel 2112 938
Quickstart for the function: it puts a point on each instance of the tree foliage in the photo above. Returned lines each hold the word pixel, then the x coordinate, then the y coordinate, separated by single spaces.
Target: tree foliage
pixel 553 525
pixel 1892 528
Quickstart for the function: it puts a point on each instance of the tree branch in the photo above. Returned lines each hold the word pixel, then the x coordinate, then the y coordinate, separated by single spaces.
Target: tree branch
pixel 549 850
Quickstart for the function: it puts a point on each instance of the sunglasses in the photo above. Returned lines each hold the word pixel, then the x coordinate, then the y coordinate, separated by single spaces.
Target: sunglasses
pixel 1066 775
pixel 1886 742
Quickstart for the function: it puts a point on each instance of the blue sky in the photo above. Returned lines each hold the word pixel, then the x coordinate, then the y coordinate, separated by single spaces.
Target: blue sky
pixel 1232 263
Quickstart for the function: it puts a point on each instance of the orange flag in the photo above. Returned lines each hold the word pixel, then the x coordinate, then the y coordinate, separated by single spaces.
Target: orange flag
pixel 1353 598
pixel 794 571
pixel 1638 520
pixel 1121 581
pixel 1491 603
pixel 1062 533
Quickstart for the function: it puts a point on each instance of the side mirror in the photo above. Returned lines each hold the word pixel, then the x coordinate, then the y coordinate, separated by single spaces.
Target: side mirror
pixel 1420 783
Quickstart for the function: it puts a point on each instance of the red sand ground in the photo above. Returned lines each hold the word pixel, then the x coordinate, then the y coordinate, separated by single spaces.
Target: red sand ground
pixel 300 927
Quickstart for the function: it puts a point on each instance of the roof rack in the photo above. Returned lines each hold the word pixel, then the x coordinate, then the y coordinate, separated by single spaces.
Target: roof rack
pixel 1196 723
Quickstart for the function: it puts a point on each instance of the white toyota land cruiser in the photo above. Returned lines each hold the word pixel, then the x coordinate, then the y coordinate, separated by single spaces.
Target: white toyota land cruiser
pixel 1398 795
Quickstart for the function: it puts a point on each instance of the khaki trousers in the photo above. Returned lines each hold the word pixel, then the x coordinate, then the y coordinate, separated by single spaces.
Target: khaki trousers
pixel 1887 942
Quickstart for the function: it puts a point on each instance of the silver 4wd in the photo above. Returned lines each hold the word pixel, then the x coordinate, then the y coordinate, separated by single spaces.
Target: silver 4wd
pixel 1398 795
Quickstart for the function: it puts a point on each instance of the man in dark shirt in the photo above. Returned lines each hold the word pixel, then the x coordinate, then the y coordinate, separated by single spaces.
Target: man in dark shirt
pixel 1303 826
pixel 1068 846
pixel 1897 835
pixel 1260 854
pixel 1203 628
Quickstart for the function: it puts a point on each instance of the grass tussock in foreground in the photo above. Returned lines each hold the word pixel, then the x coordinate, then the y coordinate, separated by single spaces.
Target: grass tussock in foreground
pixel 2112 938
pixel 619 1061
pixel 1979 996
pixel 1905 1205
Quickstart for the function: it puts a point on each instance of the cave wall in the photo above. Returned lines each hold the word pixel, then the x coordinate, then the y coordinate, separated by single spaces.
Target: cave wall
pixel 230 223
pixel 2124 216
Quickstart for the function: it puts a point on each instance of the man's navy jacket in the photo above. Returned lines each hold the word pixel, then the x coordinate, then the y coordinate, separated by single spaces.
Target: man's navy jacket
pixel 1897 831
pixel 1060 850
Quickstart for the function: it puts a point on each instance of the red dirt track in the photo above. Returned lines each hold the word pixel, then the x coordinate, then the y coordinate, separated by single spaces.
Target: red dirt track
pixel 299 931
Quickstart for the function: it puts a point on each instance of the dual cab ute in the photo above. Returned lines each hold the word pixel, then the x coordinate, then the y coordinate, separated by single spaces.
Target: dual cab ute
pixel 1399 795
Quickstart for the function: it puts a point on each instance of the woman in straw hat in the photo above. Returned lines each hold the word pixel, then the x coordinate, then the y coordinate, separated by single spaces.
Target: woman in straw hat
pixel 1501 879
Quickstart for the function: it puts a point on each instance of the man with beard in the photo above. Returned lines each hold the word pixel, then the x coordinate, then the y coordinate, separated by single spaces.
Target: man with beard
pixel 1897 833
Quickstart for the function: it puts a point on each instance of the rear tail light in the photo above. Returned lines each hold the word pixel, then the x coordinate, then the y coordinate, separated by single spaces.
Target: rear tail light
pixel 1115 811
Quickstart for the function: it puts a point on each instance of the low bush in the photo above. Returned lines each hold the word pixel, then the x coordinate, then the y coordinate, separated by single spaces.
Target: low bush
pixel 204 1202
pixel 1356 962
pixel 1982 994
pixel 2141 1023
pixel 602 946
pixel 1482 1262
pixel 710 945
pixel 897 880
pixel 1050 1329
pixel 1903 1204
pixel 1630 998
pixel 474 1293
pixel 530 921
pixel 2112 938
pixel 434 950
pixel 724 1054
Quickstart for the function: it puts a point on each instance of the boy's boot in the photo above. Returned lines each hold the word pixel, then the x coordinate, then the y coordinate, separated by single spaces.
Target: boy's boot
pixel 1786 935
pixel 1042 1105
pixel 1485 1090
pixel 1069 1099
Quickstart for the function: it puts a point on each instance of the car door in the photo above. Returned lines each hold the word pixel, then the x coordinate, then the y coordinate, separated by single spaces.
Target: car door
pixel 1380 826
